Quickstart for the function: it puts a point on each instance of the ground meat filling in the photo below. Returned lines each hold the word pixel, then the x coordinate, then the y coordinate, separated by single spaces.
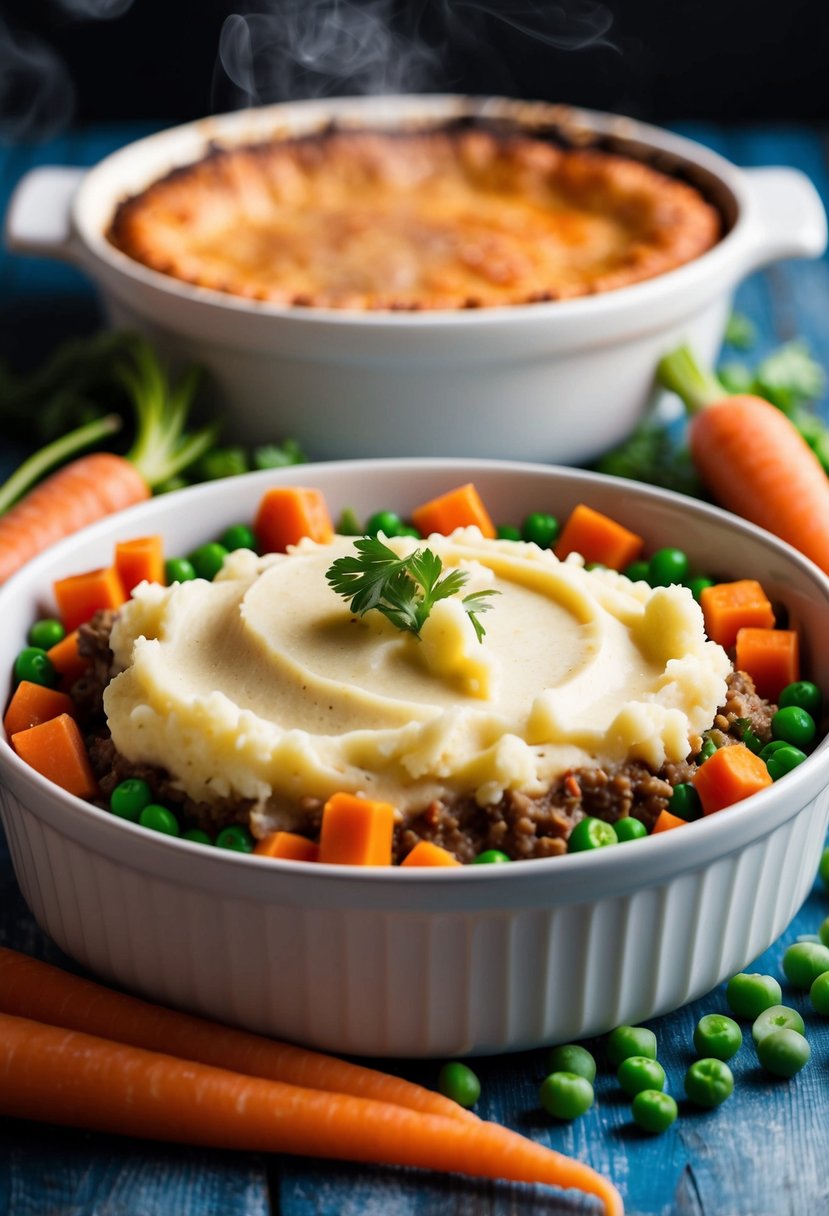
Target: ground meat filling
pixel 520 826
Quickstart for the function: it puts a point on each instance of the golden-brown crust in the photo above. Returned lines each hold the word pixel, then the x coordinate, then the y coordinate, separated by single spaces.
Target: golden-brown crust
pixel 438 219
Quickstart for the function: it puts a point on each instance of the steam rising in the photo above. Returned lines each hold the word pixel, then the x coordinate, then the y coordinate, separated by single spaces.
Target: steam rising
pixel 94 10
pixel 313 48
pixel 37 97
pixel 290 49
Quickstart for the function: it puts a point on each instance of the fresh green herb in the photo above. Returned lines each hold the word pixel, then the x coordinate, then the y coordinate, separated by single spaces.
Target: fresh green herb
pixel 278 455
pixel 740 331
pixel 404 589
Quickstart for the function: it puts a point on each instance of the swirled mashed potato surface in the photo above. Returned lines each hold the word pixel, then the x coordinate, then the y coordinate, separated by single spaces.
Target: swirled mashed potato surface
pixel 263 685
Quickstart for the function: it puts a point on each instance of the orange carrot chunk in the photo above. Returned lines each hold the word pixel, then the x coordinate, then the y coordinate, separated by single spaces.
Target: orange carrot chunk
pixel 425 853
pixel 770 657
pixel 80 596
pixel 61 1076
pixel 665 821
pixel 598 539
pixel 356 831
pixel 32 989
pixel 56 750
pixel 67 660
pixel 288 846
pixel 32 704
pixel 458 508
pixel 729 775
pixel 730 607
pixel 289 514
pixel 139 560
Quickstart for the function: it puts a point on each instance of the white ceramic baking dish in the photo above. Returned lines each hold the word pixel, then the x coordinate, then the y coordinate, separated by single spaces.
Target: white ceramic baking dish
pixel 559 381
pixel 424 963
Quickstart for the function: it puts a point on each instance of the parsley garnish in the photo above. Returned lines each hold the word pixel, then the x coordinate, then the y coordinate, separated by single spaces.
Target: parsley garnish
pixel 404 589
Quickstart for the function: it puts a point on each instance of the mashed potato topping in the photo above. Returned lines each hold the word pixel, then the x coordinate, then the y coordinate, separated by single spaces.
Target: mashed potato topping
pixel 263 684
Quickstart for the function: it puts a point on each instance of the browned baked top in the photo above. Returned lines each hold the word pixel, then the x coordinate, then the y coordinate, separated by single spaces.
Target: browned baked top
pixel 441 219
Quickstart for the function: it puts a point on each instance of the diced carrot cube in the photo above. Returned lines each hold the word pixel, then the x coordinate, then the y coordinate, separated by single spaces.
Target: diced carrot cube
pixel 56 750
pixel 598 539
pixel 356 831
pixel 32 704
pixel 140 559
pixel 458 508
pixel 288 846
pixel 66 659
pixel 730 607
pixel 770 657
pixel 289 514
pixel 665 821
pixel 425 853
pixel 80 596
pixel 729 775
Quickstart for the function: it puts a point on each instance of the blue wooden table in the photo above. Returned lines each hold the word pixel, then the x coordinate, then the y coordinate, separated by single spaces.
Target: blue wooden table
pixel 764 1153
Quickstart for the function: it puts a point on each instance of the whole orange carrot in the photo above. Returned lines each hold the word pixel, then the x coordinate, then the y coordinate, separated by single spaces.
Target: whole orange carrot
pixel 752 458
pixel 32 989
pixel 61 1076
pixel 93 486
pixel 78 494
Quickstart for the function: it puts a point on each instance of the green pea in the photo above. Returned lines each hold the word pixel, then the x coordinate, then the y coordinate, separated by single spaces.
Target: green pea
pixel 717 1036
pixel 626 1041
pixel 208 559
pixel 129 798
pixel 408 530
pixel 540 529
pixel 804 694
pixel 349 524
pixel 178 570
pixel 668 566
pixel 490 857
pixel 804 962
pixel 823 868
pixel 823 931
pixel 749 994
pixel 653 1110
pixel 572 1058
pixel 197 836
pixel 637 572
pixel 629 828
pixel 777 1017
pixel 237 838
pixel 46 633
pixel 34 665
pixel 783 1053
pixel 769 749
pixel 685 802
pixel 783 760
pixel 238 536
pixel 640 1072
pixel 709 1082
pixel 708 748
pixel 508 532
pixel 819 994
pixel 793 725
pixel 698 584
pixel 591 833
pixel 459 1083
pixel 387 522
pixel 565 1095
pixel 159 819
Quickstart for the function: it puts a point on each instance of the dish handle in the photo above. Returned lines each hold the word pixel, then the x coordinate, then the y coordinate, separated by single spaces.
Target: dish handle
pixel 786 214
pixel 39 215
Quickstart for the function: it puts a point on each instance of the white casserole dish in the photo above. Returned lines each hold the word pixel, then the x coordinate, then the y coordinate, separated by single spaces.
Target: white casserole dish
pixel 416 962
pixel 558 381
